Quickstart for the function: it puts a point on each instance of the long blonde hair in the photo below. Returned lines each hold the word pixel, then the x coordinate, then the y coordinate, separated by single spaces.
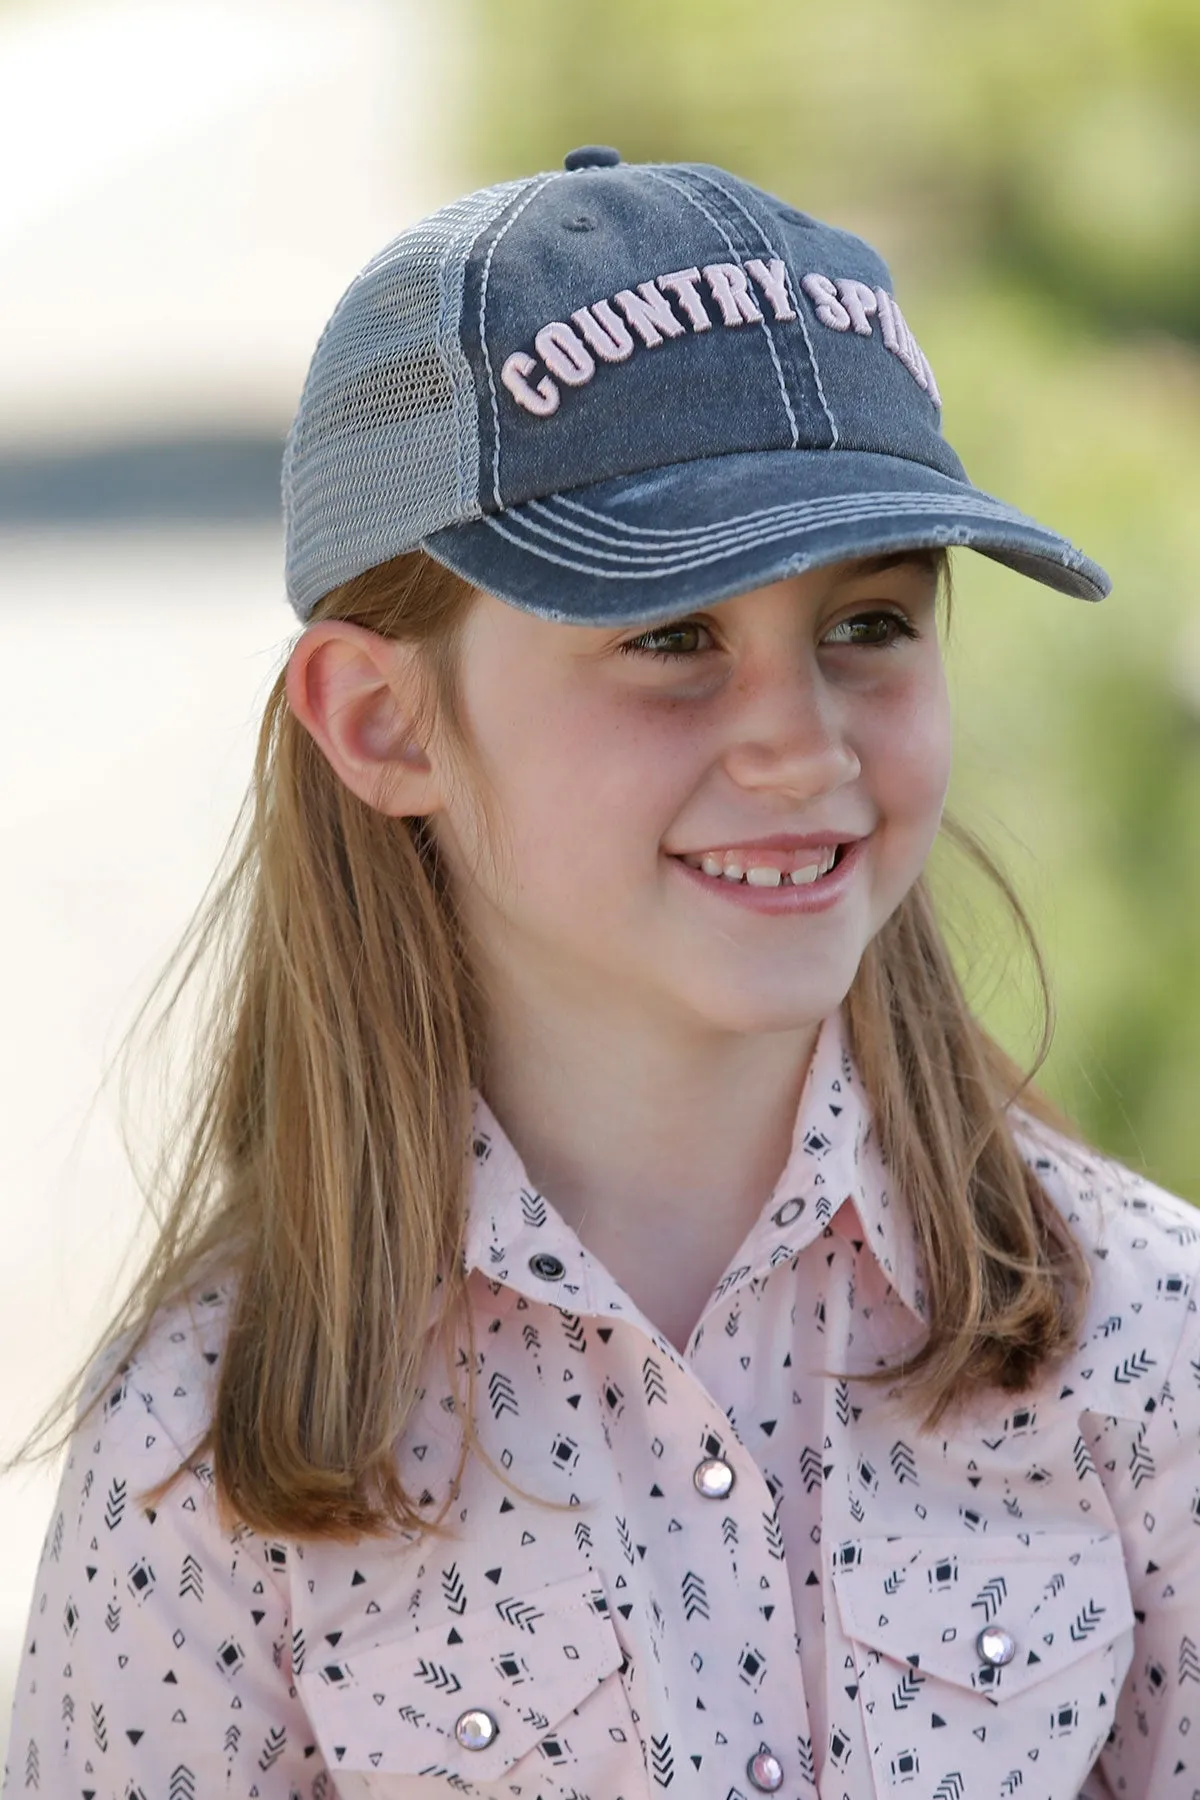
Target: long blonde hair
pixel 327 1117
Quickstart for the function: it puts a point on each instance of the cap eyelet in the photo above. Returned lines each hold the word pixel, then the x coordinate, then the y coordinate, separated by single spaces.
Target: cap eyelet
pixel 795 217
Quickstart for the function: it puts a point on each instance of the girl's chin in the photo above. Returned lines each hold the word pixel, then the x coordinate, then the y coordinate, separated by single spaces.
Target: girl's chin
pixel 753 1013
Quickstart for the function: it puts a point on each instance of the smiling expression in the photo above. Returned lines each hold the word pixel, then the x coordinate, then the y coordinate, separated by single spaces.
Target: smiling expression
pixel 707 819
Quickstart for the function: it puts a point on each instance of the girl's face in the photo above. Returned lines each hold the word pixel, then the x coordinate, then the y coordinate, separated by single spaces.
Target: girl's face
pixel 635 772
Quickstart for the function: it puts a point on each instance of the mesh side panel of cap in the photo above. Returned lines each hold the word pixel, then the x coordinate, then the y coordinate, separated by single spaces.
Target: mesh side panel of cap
pixel 384 448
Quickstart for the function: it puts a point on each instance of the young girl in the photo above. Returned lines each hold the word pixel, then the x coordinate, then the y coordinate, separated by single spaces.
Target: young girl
pixel 623 1326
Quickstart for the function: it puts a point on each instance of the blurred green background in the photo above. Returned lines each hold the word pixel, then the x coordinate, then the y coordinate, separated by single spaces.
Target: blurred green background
pixel 1032 175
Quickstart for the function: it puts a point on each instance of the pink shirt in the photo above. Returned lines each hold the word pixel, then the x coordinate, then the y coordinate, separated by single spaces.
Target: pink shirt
pixel 757 1578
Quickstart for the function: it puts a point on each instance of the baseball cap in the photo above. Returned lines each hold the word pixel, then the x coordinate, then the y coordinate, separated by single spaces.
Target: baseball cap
pixel 613 392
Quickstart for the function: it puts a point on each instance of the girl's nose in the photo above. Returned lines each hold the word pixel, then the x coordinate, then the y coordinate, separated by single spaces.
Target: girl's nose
pixel 789 735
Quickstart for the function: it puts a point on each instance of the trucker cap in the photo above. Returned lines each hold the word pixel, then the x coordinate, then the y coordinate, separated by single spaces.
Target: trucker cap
pixel 613 392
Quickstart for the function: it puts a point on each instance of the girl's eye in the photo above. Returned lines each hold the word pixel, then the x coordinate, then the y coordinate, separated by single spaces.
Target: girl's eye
pixel 682 638
pixel 874 630
pixel 669 642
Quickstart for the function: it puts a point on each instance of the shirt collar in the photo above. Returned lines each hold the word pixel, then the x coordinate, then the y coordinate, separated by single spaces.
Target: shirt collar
pixel 515 1237
pixel 835 1161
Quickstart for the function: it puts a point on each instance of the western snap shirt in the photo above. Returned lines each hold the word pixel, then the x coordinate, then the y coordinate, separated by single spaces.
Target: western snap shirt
pixel 708 1575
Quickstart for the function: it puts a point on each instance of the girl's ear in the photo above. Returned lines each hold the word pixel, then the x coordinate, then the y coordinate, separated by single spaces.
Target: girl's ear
pixel 359 695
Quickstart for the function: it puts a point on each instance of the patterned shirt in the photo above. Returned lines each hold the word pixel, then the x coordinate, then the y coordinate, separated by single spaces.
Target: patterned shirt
pixel 706 1576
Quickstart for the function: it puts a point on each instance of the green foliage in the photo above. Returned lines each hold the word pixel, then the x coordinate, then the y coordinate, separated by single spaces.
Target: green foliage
pixel 1061 142
pixel 1032 174
pixel 1078 726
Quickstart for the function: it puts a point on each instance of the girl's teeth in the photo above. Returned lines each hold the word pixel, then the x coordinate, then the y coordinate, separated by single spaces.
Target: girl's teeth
pixel 761 876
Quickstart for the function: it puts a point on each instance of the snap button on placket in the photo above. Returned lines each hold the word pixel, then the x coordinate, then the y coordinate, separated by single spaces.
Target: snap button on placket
pixel 765 1771
pixel 476 1729
pixel 713 1478
pixel 547 1267
pixel 996 1646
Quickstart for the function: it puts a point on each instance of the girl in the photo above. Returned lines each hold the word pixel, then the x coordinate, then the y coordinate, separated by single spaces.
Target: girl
pixel 622 1325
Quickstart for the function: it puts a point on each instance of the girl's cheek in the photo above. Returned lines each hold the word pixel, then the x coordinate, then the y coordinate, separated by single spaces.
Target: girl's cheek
pixel 906 734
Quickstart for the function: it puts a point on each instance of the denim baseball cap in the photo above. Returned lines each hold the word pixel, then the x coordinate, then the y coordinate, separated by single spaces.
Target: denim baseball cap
pixel 613 392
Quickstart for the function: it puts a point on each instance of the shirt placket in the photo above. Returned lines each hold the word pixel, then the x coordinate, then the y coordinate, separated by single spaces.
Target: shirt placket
pixel 682 1523
pixel 783 1313
pixel 700 1561
pixel 693 1548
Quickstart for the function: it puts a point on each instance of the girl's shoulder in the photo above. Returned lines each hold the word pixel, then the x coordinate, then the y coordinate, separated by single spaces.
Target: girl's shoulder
pixel 1143 1245
pixel 1109 1205
pixel 168 1372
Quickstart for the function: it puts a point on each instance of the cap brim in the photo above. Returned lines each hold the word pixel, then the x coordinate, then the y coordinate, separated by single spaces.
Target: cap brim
pixel 650 546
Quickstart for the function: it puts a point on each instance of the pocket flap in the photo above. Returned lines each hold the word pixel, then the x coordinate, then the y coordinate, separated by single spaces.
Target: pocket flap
pixel 528 1661
pixel 924 1601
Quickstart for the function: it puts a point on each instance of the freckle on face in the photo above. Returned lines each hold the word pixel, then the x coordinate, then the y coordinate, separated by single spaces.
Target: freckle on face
pixel 600 763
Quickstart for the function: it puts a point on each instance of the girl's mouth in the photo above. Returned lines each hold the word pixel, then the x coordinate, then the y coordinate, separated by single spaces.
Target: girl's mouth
pixel 769 868
pixel 806 880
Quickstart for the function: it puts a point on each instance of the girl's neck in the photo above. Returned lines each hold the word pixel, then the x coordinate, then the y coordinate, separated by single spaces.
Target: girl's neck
pixel 657 1146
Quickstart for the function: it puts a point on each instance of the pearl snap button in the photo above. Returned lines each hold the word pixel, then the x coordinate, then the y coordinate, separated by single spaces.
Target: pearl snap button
pixel 476 1729
pixel 547 1267
pixel 713 1478
pixel 765 1771
pixel 996 1646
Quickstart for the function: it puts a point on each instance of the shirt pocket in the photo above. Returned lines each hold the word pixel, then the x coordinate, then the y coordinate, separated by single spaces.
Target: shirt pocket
pixel 536 1675
pixel 937 1702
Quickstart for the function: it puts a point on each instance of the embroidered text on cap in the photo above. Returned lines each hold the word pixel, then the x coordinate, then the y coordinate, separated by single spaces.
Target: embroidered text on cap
pixel 567 349
pixel 849 305
pixel 607 330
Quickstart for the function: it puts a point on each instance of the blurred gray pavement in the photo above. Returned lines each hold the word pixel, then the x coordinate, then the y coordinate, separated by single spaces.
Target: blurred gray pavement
pixel 135 665
pixel 192 183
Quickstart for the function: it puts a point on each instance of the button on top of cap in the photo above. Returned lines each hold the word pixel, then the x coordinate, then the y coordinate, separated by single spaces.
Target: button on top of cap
pixel 592 156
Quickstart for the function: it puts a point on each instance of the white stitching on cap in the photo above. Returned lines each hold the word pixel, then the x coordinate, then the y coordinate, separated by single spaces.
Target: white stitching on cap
pixel 700 531
pixel 948 534
pixel 679 567
pixel 657 175
pixel 487 269
pixel 862 508
pixel 747 530
pixel 468 480
pixel 812 354
pixel 812 512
